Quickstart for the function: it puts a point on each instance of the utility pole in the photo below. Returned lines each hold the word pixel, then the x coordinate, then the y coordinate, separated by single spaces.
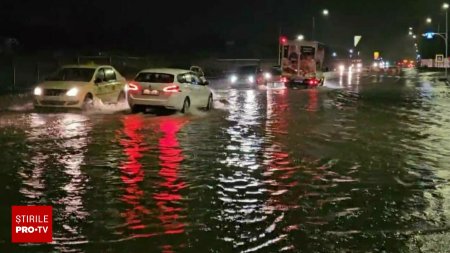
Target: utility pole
pixel 313 28
pixel 446 41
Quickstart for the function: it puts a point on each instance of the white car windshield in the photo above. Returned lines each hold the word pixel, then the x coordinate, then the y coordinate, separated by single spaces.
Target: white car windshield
pixel 73 74
pixel 154 78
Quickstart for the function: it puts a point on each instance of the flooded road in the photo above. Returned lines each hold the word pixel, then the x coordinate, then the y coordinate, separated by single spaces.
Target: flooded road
pixel 361 165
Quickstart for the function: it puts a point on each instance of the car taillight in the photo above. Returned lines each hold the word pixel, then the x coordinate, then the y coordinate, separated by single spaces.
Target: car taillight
pixel 172 88
pixel 133 87
pixel 313 81
pixel 283 79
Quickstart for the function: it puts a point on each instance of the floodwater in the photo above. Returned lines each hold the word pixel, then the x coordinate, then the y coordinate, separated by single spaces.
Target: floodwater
pixel 361 165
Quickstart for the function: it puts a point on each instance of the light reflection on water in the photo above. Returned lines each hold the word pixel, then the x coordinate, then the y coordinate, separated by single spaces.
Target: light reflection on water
pixel 69 135
pixel 361 168
pixel 151 179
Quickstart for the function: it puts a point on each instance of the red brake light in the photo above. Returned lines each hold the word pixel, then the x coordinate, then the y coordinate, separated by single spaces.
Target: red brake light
pixel 172 88
pixel 133 86
pixel 283 40
pixel 313 81
pixel 283 79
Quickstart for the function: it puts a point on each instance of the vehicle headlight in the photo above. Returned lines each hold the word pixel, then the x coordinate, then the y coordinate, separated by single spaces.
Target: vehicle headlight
pixel 233 78
pixel 341 67
pixel 72 92
pixel 37 91
pixel 251 79
pixel 267 76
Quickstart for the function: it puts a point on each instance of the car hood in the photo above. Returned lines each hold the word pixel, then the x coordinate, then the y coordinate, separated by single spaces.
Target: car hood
pixel 61 84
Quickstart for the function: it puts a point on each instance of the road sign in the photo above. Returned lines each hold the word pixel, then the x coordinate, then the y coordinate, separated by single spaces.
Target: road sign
pixel 428 35
pixel 439 58
pixel 376 55
pixel 357 39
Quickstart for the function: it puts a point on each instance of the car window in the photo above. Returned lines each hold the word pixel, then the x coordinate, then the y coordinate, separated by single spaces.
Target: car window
pixel 100 75
pixel 275 71
pixel 247 70
pixel 154 77
pixel 185 78
pixel 195 79
pixel 110 75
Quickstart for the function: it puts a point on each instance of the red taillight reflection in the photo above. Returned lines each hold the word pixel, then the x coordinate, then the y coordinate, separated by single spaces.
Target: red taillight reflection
pixel 132 173
pixel 168 199
pixel 172 88
pixel 133 87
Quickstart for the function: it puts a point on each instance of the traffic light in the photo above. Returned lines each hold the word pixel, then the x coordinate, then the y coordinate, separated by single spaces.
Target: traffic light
pixel 283 40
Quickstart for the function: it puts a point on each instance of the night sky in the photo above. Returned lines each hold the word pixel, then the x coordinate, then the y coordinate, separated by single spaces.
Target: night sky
pixel 223 28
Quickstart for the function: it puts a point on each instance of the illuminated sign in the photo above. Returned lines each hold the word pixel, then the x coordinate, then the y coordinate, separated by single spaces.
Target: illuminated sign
pixel 376 55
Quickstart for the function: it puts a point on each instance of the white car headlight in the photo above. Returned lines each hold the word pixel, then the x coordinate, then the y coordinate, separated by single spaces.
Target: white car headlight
pixel 267 76
pixel 37 91
pixel 251 79
pixel 233 78
pixel 72 92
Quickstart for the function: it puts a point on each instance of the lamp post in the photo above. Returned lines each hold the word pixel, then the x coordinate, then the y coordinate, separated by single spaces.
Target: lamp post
pixel 325 12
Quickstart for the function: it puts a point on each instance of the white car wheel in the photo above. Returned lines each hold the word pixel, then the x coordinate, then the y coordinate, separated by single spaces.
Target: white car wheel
pixel 186 106
pixel 88 102
pixel 210 104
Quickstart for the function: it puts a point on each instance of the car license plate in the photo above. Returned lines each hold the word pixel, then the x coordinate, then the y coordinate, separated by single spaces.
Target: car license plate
pixel 150 92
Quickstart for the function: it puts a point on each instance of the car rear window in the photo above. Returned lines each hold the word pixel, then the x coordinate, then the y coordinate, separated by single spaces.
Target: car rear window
pixel 154 78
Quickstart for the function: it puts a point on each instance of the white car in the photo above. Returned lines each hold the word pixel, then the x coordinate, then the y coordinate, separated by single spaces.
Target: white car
pixel 175 89
pixel 76 86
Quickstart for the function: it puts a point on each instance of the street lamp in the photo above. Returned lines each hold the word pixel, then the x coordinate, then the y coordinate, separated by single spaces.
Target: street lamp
pixel 429 20
pixel 414 36
pixel 325 12
pixel 300 37
pixel 410 33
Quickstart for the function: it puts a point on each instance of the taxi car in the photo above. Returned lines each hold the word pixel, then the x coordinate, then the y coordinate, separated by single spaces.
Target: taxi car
pixel 77 86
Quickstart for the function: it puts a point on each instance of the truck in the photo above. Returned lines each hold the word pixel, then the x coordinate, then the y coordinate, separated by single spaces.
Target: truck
pixel 302 62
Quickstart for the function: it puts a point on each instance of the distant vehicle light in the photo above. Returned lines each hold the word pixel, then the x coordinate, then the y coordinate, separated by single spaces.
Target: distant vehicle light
pixel 341 68
pixel 37 91
pixel 284 79
pixel 172 88
pixel 313 81
pixel 267 76
pixel 375 65
pixel 233 78
pixel 251 79
pixel 72 92
pixel 359 65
